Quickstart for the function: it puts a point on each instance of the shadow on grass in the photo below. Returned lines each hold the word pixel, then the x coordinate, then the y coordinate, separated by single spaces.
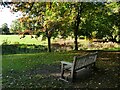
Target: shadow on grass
pixel 47 76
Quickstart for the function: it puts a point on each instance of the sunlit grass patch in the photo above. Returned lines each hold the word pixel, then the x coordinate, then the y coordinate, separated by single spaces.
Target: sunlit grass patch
pixel 113 49
pixel 13 39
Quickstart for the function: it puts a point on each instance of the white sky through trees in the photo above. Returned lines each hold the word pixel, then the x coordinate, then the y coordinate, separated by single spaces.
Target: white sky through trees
pixel 7 16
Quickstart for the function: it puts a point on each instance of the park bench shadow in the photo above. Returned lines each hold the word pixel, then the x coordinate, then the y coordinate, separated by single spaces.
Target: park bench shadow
pixel 54 71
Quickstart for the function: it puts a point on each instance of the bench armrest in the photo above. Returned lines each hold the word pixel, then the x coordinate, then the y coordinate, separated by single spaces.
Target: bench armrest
pixel 67 63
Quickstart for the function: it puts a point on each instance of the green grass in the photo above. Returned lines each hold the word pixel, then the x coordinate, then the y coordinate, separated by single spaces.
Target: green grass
pixel 22 62
pixel 113 49
pixel 28 45
pixel 16 69
pixel 26 70
pixel 13 39
pixel 31 70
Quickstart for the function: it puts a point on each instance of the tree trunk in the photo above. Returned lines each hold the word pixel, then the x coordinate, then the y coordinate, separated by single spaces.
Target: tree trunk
pixel 48 35
pixel 49 44
pixel 77 22
pixel 49 41
pixel 76 42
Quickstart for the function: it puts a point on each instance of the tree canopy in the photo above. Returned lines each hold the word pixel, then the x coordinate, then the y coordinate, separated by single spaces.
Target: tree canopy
pixel 53 19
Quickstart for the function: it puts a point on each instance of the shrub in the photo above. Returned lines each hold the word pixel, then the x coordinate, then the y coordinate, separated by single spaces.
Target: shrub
pixel 6 42
pixel 22 48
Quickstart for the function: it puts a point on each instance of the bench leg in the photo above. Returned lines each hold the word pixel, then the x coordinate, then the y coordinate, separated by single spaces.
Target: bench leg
pixel 73 74
pixel 62 71
pixel 94 64
pixel 62 74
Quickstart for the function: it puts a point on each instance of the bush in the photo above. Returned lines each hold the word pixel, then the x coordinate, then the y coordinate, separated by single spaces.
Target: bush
pixel 6 42
pixel 22 48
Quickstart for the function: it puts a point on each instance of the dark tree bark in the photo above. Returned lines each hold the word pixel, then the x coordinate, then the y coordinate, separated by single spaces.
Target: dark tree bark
pixel 48 34
pixel 77 22
pixel 49 44
pixel 76 42
pixel 49 41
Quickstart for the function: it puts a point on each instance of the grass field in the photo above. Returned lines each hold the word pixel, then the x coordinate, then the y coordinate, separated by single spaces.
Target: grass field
pixel 27 42
pixel 14 39
pixel 82 44
pixel 18 67
pixel 26 61
pixel 42 70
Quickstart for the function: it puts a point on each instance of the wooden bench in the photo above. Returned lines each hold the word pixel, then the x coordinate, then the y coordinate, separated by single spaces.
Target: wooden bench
pixel 78 63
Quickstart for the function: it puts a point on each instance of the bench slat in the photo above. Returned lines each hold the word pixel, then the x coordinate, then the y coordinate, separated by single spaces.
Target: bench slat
pixel 79 62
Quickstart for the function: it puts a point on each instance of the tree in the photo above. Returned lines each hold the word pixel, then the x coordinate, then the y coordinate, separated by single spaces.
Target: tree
pixel 114 16
pixel 78 8
pixel 46 18
pixel 15 27
pixel 5 29
pixel 50 19
pixel 99 20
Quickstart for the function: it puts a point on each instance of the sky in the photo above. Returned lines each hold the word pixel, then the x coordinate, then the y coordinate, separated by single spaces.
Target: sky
pixel 7 16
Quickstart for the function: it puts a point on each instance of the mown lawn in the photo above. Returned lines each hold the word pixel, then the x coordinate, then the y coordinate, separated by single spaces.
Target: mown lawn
pixel 42 70
pixel 20 62
pixel 17 68
pixel 15 39
pixel 57 44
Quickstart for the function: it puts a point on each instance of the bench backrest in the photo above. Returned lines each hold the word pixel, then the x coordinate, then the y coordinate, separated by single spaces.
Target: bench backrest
pixel 81 61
